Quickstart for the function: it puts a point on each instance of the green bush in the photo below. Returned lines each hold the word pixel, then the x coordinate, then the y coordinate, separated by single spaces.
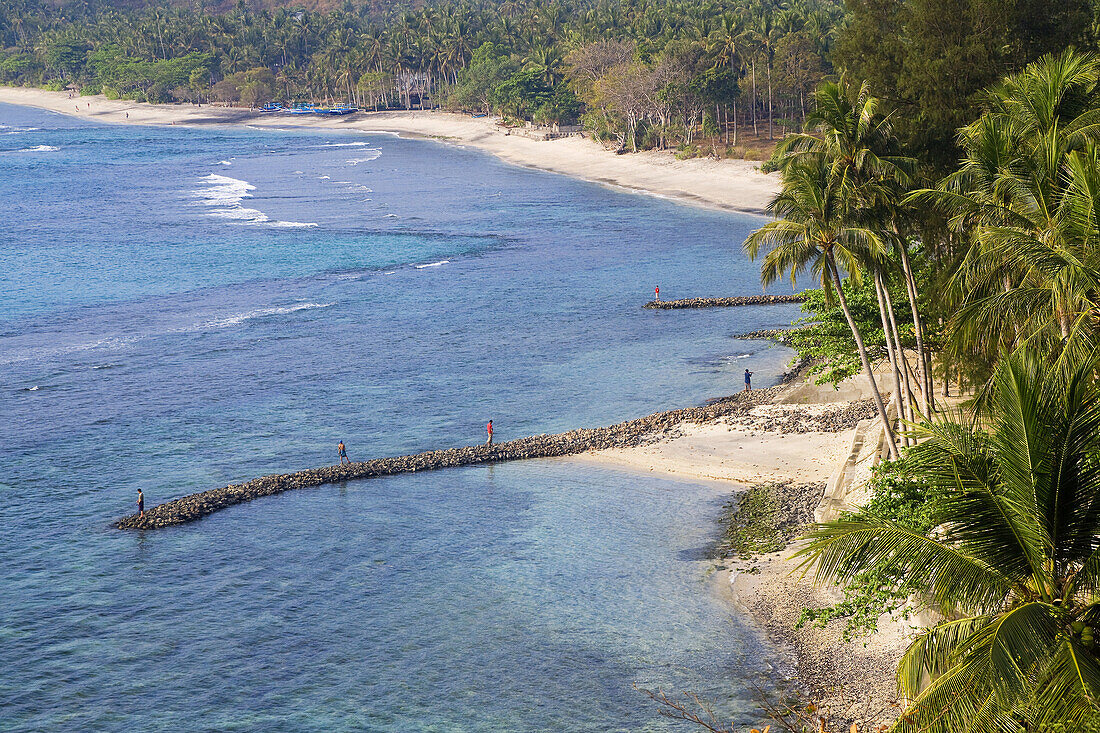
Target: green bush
pixel 901 496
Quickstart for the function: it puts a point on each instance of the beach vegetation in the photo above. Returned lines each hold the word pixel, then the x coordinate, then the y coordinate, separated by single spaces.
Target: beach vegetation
pixel 1011 557
pixel 901 496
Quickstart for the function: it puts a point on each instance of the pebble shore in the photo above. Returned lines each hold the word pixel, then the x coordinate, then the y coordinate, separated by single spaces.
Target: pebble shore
pixel 725 302
pixel 622 435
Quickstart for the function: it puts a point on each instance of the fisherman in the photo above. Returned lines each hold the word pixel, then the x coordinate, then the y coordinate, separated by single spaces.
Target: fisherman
pixel 748 381
pixel 343 453
pixel 141 504
pixel 489 431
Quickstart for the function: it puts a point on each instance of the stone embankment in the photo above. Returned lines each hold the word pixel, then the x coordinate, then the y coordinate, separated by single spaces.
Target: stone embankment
pixel 780 335
pixel 725 302
pixel 623 435
pixel 792 419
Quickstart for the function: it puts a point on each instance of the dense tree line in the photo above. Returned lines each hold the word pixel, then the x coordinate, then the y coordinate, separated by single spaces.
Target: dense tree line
pixel 642 73
pixel 987 274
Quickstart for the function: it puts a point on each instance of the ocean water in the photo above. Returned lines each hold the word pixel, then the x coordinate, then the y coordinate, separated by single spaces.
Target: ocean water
pixel 180 309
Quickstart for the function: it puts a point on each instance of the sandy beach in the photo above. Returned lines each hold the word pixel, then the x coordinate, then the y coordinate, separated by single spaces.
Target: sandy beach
pixel 729 185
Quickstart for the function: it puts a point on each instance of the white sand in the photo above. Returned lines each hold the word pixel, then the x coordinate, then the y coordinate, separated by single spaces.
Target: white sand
pixel 732 185
pixel 723 452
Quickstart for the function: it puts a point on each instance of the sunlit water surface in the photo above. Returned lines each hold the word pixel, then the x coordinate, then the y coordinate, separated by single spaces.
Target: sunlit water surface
pixel 180 309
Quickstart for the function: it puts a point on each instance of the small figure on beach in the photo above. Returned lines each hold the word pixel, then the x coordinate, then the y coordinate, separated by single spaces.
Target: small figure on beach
pixel 127 115
pixel 657 293
pixel 343 453
pixel 748 381
pixel 141 504
pixel 489 432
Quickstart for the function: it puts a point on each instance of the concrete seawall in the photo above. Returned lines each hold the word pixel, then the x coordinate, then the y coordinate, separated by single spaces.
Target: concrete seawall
pixel 622 435
pixel 725 302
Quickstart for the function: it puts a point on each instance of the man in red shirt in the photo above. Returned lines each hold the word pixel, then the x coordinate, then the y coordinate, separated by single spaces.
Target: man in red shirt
pixel 489 431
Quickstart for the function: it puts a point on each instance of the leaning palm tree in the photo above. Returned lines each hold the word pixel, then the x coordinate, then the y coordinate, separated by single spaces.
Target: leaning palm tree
pixel 813 230
pixel 857 141
pixel 1014 558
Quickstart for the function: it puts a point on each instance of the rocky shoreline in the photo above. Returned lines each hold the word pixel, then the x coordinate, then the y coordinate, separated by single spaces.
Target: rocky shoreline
pixel 622 435
pixel 725 302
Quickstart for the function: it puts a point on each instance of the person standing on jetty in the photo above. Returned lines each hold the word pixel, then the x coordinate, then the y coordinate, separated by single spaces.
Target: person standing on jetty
pixel 141 504
pixel 748 381
pixel 343 453
pixel 489 432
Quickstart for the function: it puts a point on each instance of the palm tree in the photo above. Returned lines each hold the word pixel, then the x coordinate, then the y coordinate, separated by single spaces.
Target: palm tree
pixel 1014 558
pixel 860 148
pixel 814 230
pixel 1025 197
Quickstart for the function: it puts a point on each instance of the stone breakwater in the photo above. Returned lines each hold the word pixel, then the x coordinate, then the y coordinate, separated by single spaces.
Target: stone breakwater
pixel 725 302
pixel 623 435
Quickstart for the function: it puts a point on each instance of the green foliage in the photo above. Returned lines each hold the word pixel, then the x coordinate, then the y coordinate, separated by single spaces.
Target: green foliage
pixel 132 78
pixel 1012 556
pixel 823 338
pixel 900 496
pixel 912 55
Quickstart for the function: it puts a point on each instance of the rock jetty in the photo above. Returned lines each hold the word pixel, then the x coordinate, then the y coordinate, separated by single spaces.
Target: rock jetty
pixel 623 435
pixel 725 302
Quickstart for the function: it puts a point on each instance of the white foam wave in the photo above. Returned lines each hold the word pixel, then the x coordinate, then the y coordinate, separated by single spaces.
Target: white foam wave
pixel 15 130
pixel 325 178
pixel 225 195
pixel 375 155
pixel 40 149
pixel 33 389
pixel 431 264
pixel 357 144
pixel 391 216
pixel 293 224
pixel 224 191
pixel 225 162
pixel 239 318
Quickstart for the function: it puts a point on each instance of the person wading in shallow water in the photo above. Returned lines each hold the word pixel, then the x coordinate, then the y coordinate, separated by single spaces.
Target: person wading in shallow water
pixel 748 381
pixel 141 504
pixel 343 453
pixel 489 432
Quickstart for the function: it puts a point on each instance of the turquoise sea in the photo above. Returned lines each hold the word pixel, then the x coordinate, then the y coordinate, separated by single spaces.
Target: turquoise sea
pixel 181 309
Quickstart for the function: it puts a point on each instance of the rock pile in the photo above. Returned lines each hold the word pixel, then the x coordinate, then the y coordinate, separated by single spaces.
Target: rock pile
pixel 725 302
pixel 782 335
pixel 623 435
pixel 804 418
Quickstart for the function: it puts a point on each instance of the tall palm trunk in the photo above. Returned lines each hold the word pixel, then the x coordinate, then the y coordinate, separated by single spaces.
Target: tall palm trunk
pixel 755 131
pixel 887 429
pixel 891 351
pixel 924 371
pixel 910 399
pixel 770 111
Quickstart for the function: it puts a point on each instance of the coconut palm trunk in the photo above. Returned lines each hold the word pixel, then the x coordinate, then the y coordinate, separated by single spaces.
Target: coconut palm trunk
pixel 887 428
pixel 910 399
pixel 891 350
